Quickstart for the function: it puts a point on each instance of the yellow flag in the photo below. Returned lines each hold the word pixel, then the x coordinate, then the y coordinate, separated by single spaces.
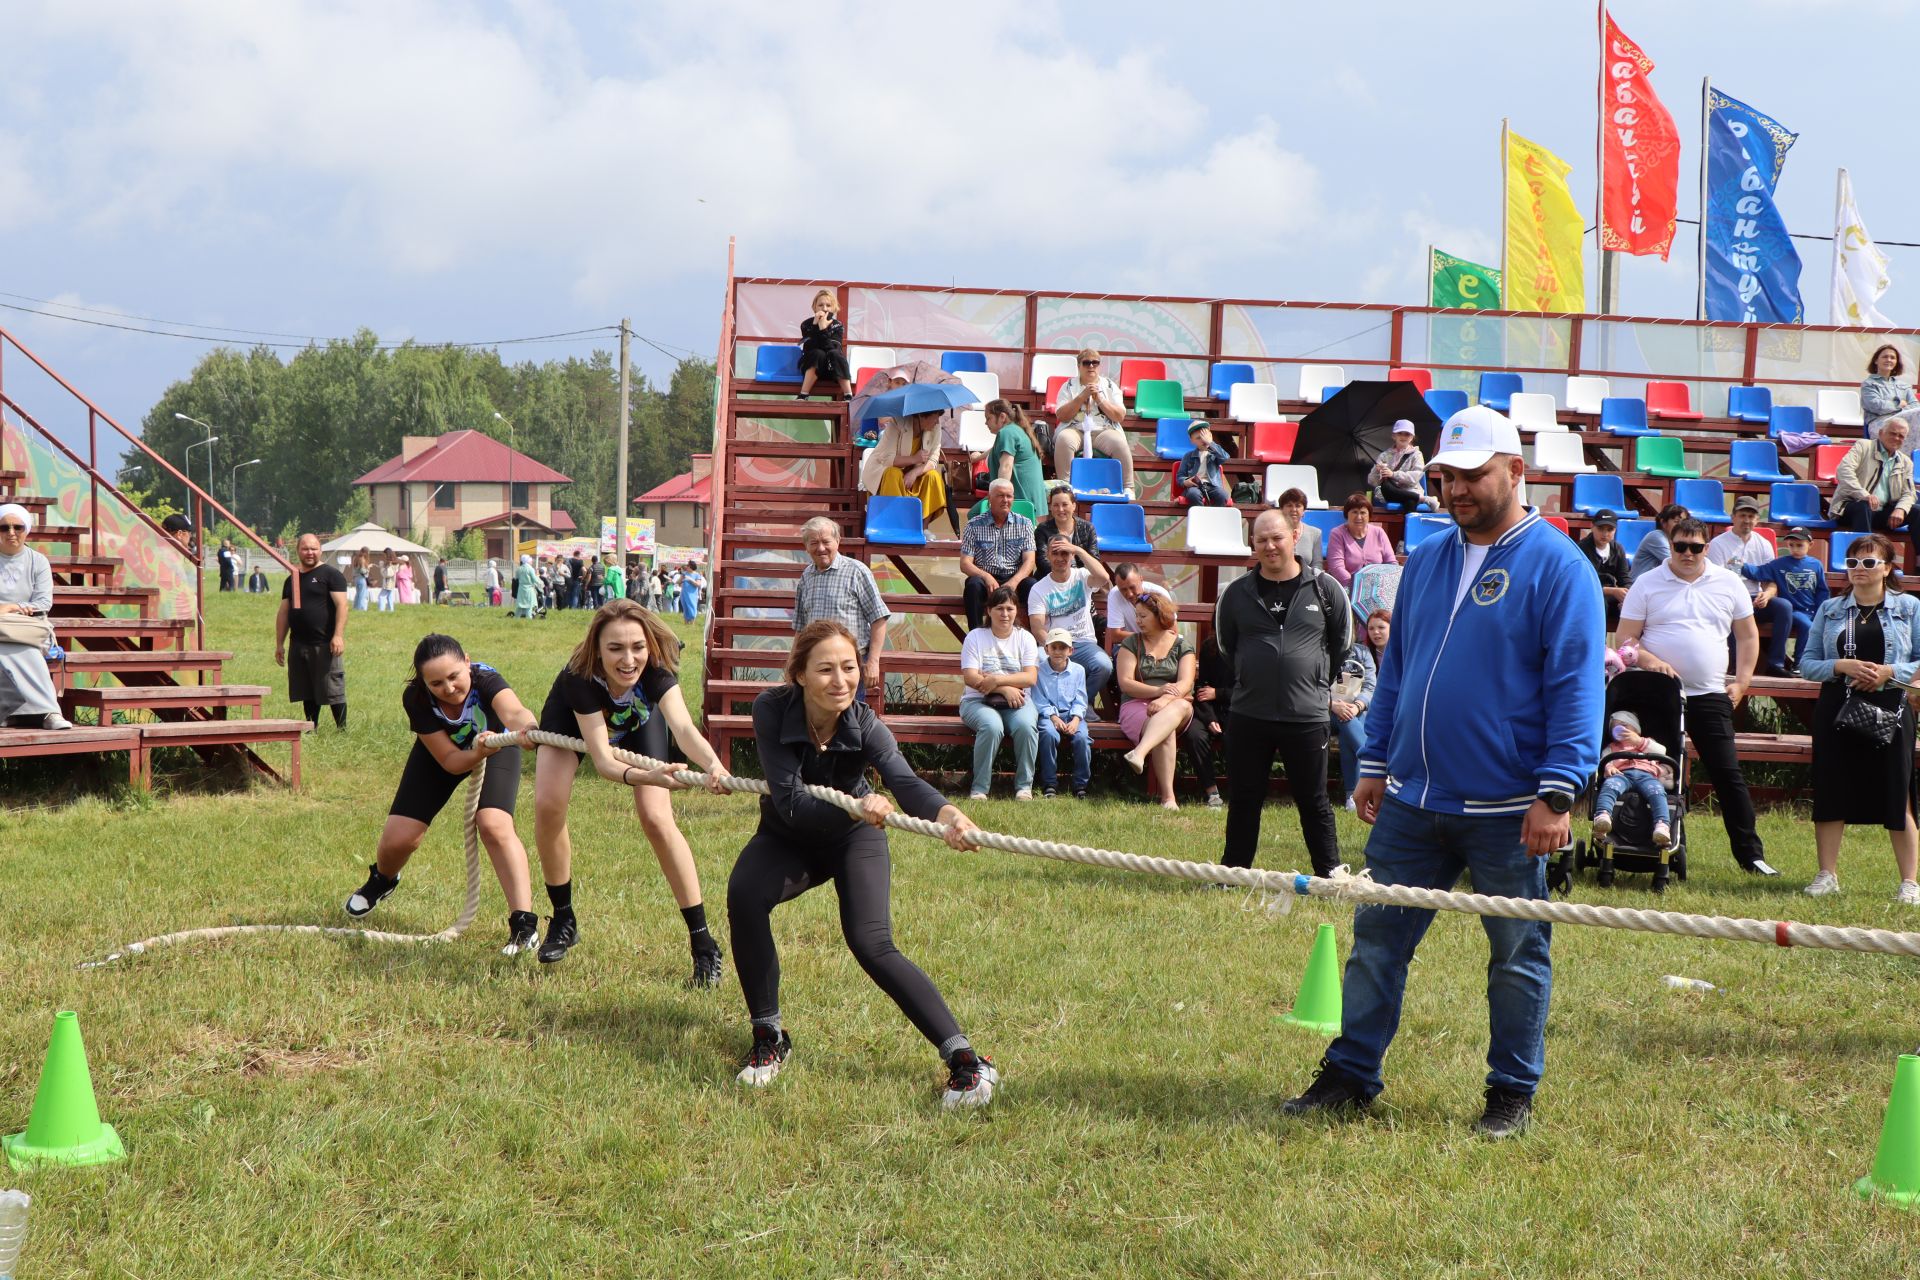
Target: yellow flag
pixel 1543 266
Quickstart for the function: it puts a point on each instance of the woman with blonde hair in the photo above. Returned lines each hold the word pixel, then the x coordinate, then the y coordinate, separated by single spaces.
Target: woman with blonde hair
pixel 1091 404
pixel 823 346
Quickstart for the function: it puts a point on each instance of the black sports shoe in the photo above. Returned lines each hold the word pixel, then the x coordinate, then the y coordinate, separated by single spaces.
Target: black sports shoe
pixel 523 933
pixel 372 893
pixel 970 1080
pixel 1332 1091
pixel 708 966
pixel 770 1052
pixel 1507 1115
pixel 562 933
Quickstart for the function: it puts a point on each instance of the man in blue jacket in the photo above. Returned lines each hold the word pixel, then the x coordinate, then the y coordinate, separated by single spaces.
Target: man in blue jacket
pixel 1484 727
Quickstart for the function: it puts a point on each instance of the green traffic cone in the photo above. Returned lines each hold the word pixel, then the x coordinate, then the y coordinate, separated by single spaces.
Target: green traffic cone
pixel 1896 1166
pixel 65 1126
pixel 1317 1007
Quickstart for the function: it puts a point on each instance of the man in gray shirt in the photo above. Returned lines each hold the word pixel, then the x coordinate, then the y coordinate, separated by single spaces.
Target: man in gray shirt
pixel 1284 628
pixel 844 590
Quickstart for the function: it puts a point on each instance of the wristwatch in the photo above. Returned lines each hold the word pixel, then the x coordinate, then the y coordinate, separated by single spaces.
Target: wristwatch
pixel 1558 801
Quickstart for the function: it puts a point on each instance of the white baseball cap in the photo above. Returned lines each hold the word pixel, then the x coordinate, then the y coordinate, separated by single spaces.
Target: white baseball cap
pixel 1059 635
pixel 1472 436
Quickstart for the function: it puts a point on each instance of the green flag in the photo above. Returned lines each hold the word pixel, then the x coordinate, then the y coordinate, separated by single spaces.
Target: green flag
pixel 1455 282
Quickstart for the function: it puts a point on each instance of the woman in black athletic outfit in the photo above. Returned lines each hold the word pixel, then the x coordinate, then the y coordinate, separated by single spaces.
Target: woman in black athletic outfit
pixel 810 730
pixel 619 690
pixel 449 703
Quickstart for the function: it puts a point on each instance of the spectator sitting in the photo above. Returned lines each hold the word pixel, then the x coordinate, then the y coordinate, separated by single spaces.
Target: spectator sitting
pixel 1306 537
pixel 823 345
pixel 1015 454
pixel 1610 562
pixel 1622 769
pixel 996 550
pixel 1347 702
pixel 1129 586
pixel 1873 485
pixel 1213 694
pixel 838 589
pixel 1201 479
pixel 1061 695
pixel 1155 669
pixel 1800 582
pixel 869 430
pixel 1092 404
pixel 1741 548
pixel 1885 395
pixel 1000 666
pixel 1063 521
pixel 1397 473
pixel 26 589
pixel 1654 547
pixel 180 529
pixel 1357 543
pixel 906 463
pixel 1063 601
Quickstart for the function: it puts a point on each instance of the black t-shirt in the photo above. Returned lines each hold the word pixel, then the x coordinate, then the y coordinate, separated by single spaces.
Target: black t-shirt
pixel 584 695
pixel 426 715
pixel 312 622
pixel 1277 597
pixel 576 567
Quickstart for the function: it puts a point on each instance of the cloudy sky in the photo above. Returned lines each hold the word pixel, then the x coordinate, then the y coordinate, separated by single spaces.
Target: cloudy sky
pixel 474 171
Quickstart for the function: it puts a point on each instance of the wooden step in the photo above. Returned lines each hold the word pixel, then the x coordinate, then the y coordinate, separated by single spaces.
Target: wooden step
pixel 169 697
pixel 207 736
pixel 96 596
pixel 84 566
pixel 72 534
pixel 119 662
pixel 762 568
pixel 17 744
pixel 152 630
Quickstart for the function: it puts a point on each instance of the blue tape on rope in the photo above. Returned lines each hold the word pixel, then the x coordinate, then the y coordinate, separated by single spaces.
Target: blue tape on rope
pixel 1300 883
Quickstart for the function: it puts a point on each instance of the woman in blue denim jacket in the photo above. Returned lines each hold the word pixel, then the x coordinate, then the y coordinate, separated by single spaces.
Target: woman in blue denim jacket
pixel 1864 645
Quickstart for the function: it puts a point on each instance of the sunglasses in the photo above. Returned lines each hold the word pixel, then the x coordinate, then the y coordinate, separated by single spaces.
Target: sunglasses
pixel 1853 562
pixel 1088 364
pixel 13 528
pixel 1688 548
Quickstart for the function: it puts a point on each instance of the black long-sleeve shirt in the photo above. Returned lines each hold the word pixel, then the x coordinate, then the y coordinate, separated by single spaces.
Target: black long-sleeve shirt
pixel 791 761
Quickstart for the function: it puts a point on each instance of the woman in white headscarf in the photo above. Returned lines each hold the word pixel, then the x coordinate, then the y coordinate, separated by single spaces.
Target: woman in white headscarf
pixel 526 588
pixel 26 589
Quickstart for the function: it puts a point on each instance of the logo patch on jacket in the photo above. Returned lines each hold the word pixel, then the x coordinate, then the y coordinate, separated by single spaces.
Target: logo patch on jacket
pixel 1492 585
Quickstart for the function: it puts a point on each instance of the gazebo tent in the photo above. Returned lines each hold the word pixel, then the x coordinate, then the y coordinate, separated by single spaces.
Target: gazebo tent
pixel 371 537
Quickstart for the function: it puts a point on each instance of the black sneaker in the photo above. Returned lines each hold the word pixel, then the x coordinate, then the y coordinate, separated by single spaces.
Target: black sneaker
pixel 970 1080
pixel 1051 793
pixel 770 1052
pixel 562 933
pixel 1332 1091
pixel 1080 793
pixel 1507 1115
pixel 708 966
pixel 372 893
pixel 523 933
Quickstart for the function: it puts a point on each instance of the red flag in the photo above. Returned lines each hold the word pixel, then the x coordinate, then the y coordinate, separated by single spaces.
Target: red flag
pixel 1639 151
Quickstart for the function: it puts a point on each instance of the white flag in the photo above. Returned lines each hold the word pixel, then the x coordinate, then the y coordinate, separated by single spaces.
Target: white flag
pixel 1859 268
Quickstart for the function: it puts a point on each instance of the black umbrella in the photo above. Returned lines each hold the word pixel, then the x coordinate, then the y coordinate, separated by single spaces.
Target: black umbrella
pixel 1343 438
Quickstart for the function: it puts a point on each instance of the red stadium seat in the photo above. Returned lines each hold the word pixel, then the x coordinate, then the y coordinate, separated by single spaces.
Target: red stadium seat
pixel 1132 371
pixel 1274 441
pixel 1826 461
pixel 1767 533
pixel 860 378
pixel 1053 393
pixel 1418 377
pixel 1559 524
pixel 1670 400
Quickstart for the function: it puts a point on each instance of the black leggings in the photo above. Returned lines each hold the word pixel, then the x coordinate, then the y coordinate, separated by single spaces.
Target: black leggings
pixel 774 869
pixel 1302 749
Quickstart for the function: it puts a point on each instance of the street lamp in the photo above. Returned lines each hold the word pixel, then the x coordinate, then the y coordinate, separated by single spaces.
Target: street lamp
pixel 233 482
pixel 187 453
pixel 513 518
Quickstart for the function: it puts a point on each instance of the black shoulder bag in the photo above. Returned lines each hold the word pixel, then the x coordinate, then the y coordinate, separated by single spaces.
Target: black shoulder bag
pixel 1859 717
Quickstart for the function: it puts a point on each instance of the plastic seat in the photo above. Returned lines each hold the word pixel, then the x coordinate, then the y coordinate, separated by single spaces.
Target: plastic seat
pixel 1631 533
pixel 975 435
pixel 1560 453
pixel 1534 411
pixel 1705 499
pixel 1496 389
pixel 1445 403
pixel 1284 476
pixel 1120 526
pixel 1839 407
pixel 776 364
pixel 1757 460
pixel 1593 494
pixel 1671 400
pixel 862 372
pixel 1420 482
pixel 1159 398
pixel 1750 404
pixel 1325 521
pixel 1225 377
pixel 1097 480
pixel 1420 378
pixel 1560 523
pixel 1054 386
pixel 1797 418
pixel 1046 367
pixel 1021 507
pixel 895 522
pixel 1584 395
pixel 1662 456
pixel 963 361
pixel 1217 531
pixel 1826 461
pixel 1253 402
pixel 872 357
pixel 986 386
pixel 1837 548
pixel 1772 539
pixel 1316 378
pixel 1422 527
pixel 1170 439
pixel 1625 416
pixel 1795 502
pixel 1134 372
pixel 1274 441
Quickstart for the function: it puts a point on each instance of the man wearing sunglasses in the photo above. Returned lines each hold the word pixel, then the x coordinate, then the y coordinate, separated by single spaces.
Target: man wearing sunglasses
pixel 1091 405
pixel 1682 614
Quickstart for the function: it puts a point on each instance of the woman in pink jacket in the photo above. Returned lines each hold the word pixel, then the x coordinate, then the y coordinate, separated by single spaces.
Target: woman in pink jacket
pixel 1358 542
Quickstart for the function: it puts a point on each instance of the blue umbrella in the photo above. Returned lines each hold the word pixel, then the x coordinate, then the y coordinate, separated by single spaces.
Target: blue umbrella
pixel 920 397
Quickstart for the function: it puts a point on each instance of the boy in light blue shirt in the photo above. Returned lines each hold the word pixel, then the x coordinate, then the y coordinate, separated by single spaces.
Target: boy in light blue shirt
pixel 1801 581
pixel 1060 695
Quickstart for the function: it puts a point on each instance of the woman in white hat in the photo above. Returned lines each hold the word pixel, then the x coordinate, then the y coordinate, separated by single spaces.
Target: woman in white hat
pixel 26 590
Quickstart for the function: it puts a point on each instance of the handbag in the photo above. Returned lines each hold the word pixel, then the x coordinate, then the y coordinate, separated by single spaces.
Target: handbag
pixel 1861 718
pixel 27 629
pixel 998 701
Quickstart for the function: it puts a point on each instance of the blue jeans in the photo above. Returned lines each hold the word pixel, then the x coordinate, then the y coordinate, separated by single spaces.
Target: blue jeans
pixel 1353 736
pixel 1418 847
pixel 989 726
pixel 1645 785
pixel 1082 747
pixel 1095 662
pixel 1786 619
pixel 1204 495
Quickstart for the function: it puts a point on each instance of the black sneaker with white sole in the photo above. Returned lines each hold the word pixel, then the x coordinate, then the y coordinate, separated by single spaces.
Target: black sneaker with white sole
pixel 1333 1092
pixel 708 967
pixel 372 893
pixel 562 934
pixel 970 1080
pixel 770 1052
pixel 523 933
pixel 1507 1114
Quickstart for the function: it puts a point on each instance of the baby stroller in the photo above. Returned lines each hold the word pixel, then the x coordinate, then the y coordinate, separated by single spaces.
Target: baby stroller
pixel 1656 699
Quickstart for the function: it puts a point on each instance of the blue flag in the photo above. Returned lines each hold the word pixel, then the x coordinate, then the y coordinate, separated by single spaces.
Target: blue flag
pixel 1752 271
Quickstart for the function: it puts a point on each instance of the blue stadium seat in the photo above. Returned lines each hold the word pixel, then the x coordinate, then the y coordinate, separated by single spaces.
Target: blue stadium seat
pixel 1797 503
pixel 1837 548
pixel 1221 381
pixel 1750 404
pixel 895 522
pixel 1631 533
pixel 1097 480
pixel 779 364
pixel 1420 482
pixel 1705 499
pixel 1625 416
pixel 1328 393
pixel 1496 389
pixel 1120 526
pixel 1325 521
pixel 963 362
pixel 1595 492
pixel 1420 528
pixel 1445 403
pixel 1170 438
pixel 1757 460
pixel 1792 417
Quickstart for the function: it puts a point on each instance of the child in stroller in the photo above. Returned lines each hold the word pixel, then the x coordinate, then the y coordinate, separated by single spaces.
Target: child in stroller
pixel 1628 802
pixel 1631 761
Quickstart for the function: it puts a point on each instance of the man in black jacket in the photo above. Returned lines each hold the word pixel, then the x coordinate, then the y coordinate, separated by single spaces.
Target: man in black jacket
pixel 1612 563
pixel 1283 629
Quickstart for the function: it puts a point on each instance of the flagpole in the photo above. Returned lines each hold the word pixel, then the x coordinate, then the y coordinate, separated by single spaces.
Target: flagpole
pixel 1430 301
pixel 1607 261
pixel 1505 275
pixel 1700 295
pixel 1833 286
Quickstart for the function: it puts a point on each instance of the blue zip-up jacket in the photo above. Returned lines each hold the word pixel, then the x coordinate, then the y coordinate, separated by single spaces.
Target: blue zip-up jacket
pixel 1480 709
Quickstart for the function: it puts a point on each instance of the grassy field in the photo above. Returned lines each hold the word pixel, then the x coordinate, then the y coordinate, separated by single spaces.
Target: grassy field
pixel 303 1107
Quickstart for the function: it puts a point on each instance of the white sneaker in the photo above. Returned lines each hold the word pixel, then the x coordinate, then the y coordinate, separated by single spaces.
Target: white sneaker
pixel 1024 793
pixel 1908 894
pixel 764 1060
pixel 1827 882
pixel 1602 823
pixel 54 720
pixel 969 1082
pixel 1351 806
pixel 976 796
pixel 1662 836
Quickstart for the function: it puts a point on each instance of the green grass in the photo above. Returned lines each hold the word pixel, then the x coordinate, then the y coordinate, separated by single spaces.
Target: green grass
pixel 304 1107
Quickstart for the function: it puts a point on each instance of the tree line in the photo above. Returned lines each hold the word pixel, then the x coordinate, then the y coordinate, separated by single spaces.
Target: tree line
pixel 322 419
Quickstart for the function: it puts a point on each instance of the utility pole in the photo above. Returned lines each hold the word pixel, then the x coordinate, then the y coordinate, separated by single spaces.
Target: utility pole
pixel 620 480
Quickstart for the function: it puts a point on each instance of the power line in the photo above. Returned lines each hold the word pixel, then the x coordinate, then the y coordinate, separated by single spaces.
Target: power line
pixel 1806 235
pixel 382 346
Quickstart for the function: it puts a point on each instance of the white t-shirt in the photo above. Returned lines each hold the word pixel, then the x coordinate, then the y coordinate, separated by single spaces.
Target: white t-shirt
pixel 1067 604
pixel 1688 623
pixel 988 654
pixel 1120 609
pixel 1730 553
pixel 1470 570
pixel 1090 414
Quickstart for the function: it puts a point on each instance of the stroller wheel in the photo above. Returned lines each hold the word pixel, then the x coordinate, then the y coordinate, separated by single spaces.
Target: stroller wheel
pixel 1605 877
pixel 1660 880
pixel 1679 861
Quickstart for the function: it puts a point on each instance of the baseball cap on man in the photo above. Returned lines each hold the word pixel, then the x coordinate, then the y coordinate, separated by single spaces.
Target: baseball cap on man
pixel 1746 502
pixel 1474 435
pixel 1059 635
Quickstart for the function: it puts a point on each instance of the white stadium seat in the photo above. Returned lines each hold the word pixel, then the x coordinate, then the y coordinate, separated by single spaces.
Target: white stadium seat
pixel 1284 476
pixel 1534 411
pixel 1051 366
pixel 1254 402
pixel 1316 378
pixel 1217 531
pixel 1561 453
pixel 1585 394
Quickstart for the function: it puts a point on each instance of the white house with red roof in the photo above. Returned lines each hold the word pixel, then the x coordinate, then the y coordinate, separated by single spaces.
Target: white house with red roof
pixel 441 486
pixel 682 507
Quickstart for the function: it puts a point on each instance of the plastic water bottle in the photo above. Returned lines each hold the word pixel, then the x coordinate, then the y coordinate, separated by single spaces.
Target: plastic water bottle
pixel 13 1229
pixel 1701 985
